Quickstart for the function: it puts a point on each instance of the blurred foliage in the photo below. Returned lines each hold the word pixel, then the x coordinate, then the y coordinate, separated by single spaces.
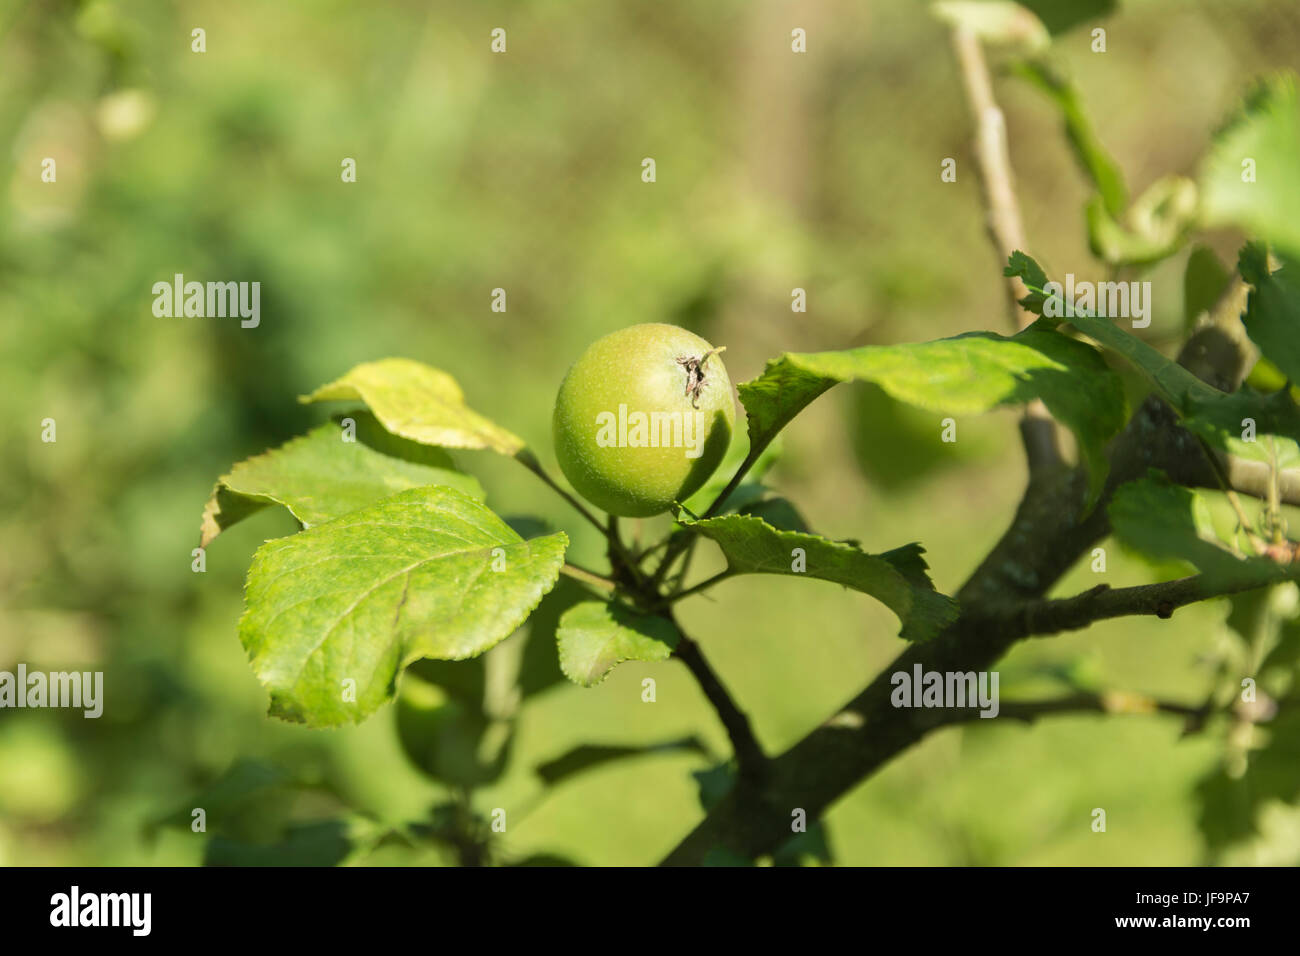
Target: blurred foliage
pixel 521 172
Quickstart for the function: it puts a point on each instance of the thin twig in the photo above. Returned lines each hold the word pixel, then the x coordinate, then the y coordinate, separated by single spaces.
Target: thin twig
pixel 750 760
pixel 1042 618
pixel 677 547
pixel 588 577
pixel 697 588
pixel 620 559
pixel 994 160
pixel 1107 703
pixel 1005 228
pixel 526 458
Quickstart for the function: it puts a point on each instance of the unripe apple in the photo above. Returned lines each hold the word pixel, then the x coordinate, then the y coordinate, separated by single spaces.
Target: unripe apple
pixel 643 418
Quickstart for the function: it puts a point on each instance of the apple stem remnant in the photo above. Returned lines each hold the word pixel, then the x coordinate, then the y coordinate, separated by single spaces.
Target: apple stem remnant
pixel 695 380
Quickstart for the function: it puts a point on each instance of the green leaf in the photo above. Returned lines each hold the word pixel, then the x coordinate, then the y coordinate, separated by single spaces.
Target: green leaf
pixel 1034 278
pixel 1272 316
pixel 965 375
pixel 589 756
pixel 1153 229
pixel 1163 520
pixel 324 843
pixel 539 670
pixel 752 546
pixel 418 402
pixel 1266 129
pixel 774 398
pixel 595 636
pixel 247 799
pixel 1096 162
pixel 319 476
pixel 714 783
pixel 1176 384
pixel 995 21
pixel 879 421
pixel 1061 15
pixel 1204 283
pixel 1222 424
pixel 428 572
pixel 779 512
pixel 443 735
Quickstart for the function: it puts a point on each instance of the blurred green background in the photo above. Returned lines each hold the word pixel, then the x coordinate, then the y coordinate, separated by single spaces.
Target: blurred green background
pixel 522 171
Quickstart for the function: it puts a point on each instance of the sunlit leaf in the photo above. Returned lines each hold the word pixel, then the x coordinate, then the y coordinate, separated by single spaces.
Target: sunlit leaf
pixel 595 636
pixel 320 476
pixel 428 572
pixel 752 546
pixel 965 375
pixel 1251 178
pixel 1163 520
pixel 1272 316
pixel 418 402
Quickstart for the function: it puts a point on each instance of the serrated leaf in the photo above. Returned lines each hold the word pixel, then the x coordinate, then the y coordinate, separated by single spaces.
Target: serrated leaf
pixel 1266 129
pixel 995 21
pixel 595 636
pixel 1272 316
pixel 1032 275
pixel 779 512
pixel 965 375
pixel 589 756
pixel 360 597
pixel 418 402
pixel 752 546
pixel 319 476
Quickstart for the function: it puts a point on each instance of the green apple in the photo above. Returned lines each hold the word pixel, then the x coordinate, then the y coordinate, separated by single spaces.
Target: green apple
pixel 643 418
